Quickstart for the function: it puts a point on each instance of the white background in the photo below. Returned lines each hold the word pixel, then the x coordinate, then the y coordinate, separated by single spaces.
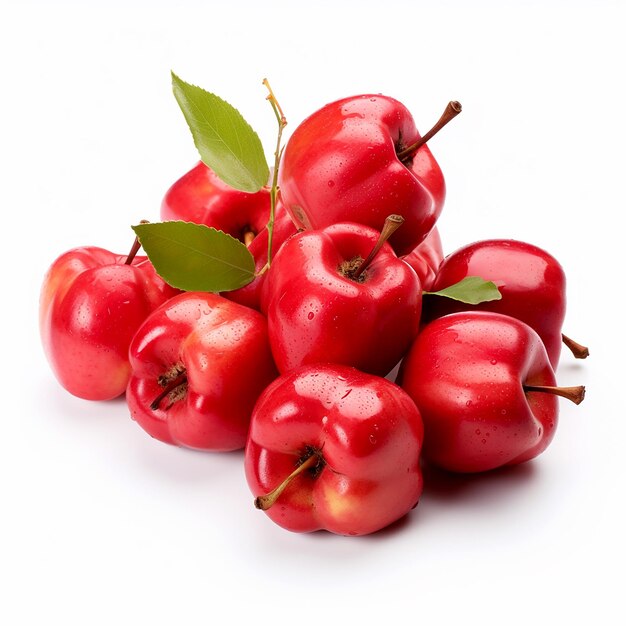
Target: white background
pixel 101 524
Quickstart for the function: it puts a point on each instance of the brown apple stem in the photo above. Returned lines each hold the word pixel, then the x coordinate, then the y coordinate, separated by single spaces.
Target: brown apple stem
pixel 452 110
pixel 135 247
pixel 392 223
pixel 133 252
pixel 266 501
pixel 578 350
pixel 574 394
pixel 181 379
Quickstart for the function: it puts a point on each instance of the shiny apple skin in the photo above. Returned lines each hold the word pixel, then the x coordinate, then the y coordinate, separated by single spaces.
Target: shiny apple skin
pixel 531 281
pixel 369 433
pixel 316 314
pixel 224 348
pixel 201 197
pixel 341 165
pixel 426 258
pixel 466 373
pixel 91 305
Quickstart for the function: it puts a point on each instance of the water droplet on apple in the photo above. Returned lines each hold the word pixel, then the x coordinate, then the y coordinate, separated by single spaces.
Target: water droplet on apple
pixel 311 315
pixel 331 183
pixel 372 439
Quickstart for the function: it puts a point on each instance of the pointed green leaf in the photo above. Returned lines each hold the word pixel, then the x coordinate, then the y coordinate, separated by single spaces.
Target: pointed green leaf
pixel 470 290
pixel 193 257
pixel 225 141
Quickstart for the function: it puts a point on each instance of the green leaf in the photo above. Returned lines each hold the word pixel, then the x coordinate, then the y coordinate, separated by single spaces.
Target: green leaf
pixel 194 257
pixel 470 290
pixel 225 141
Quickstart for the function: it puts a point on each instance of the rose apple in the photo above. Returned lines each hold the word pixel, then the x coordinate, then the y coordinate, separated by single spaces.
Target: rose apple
pixel 92 302
pixel 320 310
pixel 353 161
pixel 201 197
pixel 333 448
pixel 531 281
pixel 199 362
pixel 485 389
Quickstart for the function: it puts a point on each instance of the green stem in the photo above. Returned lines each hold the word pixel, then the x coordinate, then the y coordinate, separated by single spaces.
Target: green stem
pixel 282 122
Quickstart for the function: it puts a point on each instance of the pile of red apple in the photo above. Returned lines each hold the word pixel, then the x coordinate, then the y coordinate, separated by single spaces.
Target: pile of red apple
pixel 349 284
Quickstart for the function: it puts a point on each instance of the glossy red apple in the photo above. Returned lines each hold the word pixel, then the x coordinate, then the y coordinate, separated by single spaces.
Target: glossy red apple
pixel 531 281
pixel 201 197
pixel 361 159
pixel 327 303
pixel 485 389
pixel 199 363
pixel 333 448
pixel 92 302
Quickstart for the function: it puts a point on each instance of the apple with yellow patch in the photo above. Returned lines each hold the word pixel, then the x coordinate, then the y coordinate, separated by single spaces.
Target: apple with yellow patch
pixel 91 304
pixel 330 447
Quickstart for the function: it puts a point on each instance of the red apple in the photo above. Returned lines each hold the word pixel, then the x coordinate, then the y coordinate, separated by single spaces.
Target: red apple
pixel 199 364
pixel 92 302
pixel 201 197
pixel 327 304
pixel 333 448
pixel 361 159
pixel 485 389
